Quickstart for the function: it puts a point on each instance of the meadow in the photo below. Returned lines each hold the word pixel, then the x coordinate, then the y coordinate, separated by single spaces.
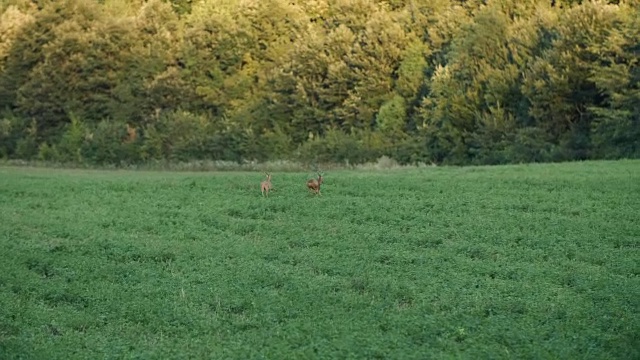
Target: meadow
pixel 510 262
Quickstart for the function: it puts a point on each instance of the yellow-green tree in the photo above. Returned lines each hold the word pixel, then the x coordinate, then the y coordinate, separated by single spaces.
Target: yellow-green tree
pixel 559 84
pixel 615 125
pixel 342 70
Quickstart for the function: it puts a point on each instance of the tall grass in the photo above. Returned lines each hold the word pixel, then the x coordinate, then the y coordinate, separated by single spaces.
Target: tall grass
pixel 383 163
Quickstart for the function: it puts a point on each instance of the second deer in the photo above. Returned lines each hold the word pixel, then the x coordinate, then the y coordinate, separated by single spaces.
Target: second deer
pixel 265 186
pixel 314 184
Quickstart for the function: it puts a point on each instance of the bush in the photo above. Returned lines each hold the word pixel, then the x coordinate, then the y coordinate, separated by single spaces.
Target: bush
pixel 183 136
pixel 26 145
pixel 335 147
pixel 71 144
pixel 573 145
pixel 615 134
pixel 26 148
pixel 274 145
pixel 15 130
pixel 113 142
pixel 227 146
pixel 530 145
pixel 48 152
pixel 409 151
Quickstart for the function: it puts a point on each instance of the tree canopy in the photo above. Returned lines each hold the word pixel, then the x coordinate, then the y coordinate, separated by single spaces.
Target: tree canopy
pixel 453 82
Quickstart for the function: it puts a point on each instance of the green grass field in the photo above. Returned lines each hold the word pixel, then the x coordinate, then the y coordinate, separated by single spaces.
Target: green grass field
pixel 511 262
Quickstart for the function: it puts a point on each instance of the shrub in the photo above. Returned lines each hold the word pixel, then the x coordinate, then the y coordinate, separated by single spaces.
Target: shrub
pixel 48 152
pixel 335 147
pixel 17 136
pixel 530 145
pixel 113 142
pixel 70 146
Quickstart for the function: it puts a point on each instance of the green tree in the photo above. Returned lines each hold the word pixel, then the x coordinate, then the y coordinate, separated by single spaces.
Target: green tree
pixel 477 91
pixel 615 128
pixel 338 80
pixel 23 38
pixel 391 118
pixel 343 69
pixel 559 85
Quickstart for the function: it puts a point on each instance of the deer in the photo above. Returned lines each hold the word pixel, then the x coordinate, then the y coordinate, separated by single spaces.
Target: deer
pixel 314 185
pixel 265 186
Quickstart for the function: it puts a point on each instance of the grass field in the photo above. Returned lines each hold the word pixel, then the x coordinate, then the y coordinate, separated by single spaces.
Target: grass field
pixel 512 262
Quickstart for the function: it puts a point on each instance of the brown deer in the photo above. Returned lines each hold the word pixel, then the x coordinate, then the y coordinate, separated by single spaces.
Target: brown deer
pixel 314 185
pixel 265 186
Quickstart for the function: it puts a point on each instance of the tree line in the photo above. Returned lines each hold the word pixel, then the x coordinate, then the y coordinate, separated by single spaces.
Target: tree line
pixel 435 81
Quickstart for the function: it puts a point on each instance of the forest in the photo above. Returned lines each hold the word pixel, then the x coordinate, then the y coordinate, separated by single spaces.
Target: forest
pixel 324 81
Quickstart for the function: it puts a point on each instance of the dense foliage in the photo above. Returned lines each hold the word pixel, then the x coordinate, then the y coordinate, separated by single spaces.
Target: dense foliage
pixel 454 82
pixel 513 262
